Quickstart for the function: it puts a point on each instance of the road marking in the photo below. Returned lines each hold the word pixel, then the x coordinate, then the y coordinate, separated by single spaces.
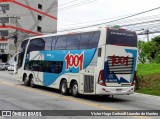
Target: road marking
pixel 65 97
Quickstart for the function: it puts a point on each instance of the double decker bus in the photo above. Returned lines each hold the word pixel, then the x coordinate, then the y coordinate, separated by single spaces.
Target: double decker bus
pixel 97 62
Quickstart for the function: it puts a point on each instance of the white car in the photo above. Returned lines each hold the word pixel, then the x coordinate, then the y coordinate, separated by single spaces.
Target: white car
pixel 4 66
pixel 11 68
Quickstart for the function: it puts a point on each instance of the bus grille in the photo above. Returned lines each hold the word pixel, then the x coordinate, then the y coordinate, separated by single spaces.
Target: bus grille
pixel 88 84
pixel 120 65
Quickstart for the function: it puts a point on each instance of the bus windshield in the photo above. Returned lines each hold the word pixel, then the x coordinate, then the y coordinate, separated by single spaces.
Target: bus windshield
pixel 121 37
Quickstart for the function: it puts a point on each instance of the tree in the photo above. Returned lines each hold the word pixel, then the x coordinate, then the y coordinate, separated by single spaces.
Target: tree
pixel 142 55
pixel 156 40
pixel 149 50
pixel 116 26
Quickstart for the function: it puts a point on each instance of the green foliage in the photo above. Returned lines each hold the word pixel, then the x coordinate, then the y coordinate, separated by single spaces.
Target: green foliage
pixel 148 79
pixel 147 69
pixel 157 60
pixel 116 26
pixel 149 91
pixel 156 39
pixel 142 54
pixel 149 50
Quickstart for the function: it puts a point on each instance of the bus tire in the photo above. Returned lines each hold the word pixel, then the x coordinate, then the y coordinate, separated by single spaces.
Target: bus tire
pixel 63 87
pixel 26 82
pixel 31 81
pixel 74 89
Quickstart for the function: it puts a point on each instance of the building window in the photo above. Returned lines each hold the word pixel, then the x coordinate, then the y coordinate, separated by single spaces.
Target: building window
pixel 39 17
pixel 4 46
pixel 4 7
pixel 4 20
pixel 39 29
pixel 39 6
pixel 3 33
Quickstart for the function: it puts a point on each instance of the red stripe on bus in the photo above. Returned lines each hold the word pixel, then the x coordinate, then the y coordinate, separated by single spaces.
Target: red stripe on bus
pixel 21 29
pixel 30 8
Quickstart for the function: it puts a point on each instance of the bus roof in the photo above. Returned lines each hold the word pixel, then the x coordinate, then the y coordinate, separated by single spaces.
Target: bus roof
pixel 79 31
pixel 63 33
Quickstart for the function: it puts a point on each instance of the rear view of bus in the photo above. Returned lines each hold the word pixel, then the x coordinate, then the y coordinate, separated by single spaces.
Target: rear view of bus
pixel 118 73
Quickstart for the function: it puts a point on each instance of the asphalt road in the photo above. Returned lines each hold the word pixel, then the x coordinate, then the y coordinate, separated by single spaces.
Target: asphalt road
pixel 15 96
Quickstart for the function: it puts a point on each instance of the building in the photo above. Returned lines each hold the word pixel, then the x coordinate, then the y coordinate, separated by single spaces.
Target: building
pixel 23 18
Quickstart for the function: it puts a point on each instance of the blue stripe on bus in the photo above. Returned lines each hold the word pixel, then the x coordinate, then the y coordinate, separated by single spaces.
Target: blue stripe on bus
pixel 134 53
pixel 59 55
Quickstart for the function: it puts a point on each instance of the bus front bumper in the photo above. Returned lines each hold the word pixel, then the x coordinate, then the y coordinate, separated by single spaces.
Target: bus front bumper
pixel 104 90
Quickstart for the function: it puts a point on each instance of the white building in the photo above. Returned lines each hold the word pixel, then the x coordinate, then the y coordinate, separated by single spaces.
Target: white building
pixel 24 18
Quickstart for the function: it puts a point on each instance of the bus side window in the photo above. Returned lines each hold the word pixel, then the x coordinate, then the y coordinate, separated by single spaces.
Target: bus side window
pixel 37 44
pixel 54 41
pixel 84 40
pixel 94 39
pixel 61 43
pixel 46 66
pixel 48 43
pixel 56 67
pixel 21 54
pixel 73 41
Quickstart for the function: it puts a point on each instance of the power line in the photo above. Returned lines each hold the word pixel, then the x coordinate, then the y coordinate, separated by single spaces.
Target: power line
pixel 149 32
pixel 77 5
pixel 150 24
pixel 157 20
pixel 73 5
pixel 121 22
pixel 68 7
pixel 133 21
pixel 136 14
pixel 151 27
pixel 68 2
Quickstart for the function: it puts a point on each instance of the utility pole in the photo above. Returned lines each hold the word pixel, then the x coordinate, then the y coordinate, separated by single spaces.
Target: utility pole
pixel 16 35
pixel 5 20
pixel 147 34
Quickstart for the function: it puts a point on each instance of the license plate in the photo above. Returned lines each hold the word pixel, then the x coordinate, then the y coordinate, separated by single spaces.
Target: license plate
pixel 118 90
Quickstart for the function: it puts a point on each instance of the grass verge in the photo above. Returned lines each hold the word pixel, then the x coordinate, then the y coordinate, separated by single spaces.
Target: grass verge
pixel 148 79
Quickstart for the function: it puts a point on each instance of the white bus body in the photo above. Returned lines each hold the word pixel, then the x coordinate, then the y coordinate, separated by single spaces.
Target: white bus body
pixel 101 62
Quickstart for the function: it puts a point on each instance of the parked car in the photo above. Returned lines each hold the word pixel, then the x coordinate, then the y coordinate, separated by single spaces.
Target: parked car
pixel 4 66
pixel 11 68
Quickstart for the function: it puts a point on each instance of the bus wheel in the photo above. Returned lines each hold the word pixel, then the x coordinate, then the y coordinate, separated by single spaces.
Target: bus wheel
pixel 63 87
pixel 26 82
pixel 31 81
pixel 74 89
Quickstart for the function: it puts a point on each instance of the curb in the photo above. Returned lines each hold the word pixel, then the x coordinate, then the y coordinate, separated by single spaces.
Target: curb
pixel 146 95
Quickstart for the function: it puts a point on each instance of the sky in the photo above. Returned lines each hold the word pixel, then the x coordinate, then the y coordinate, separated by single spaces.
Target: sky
pixel 99 11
